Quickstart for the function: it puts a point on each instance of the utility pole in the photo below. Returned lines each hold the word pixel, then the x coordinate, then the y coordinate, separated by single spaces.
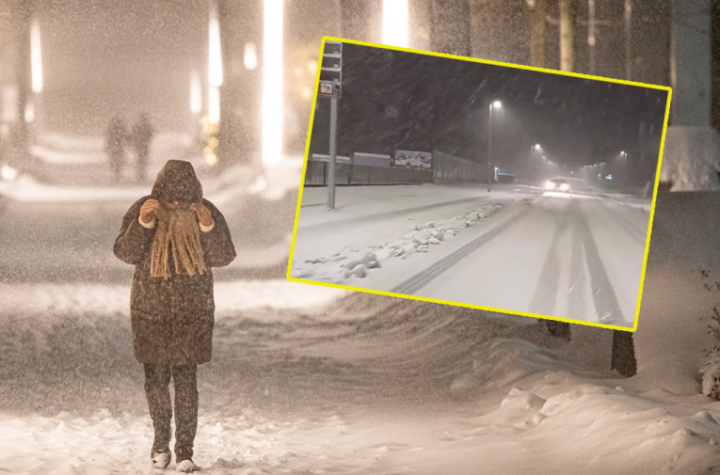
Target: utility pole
pixel 566 35
pixel 537 34
pixel 628 40
pixel 330 87
pixel 591 34
pixel 22 79
pixel 489 160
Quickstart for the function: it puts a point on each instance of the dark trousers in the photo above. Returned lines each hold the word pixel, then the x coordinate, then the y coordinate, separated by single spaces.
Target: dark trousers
pixel 157 391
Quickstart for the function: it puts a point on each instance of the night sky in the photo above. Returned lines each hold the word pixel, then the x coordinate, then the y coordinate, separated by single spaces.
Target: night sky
pixel 443 104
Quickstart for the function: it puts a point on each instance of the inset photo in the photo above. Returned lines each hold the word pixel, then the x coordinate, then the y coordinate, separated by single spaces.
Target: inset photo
pixel 479 184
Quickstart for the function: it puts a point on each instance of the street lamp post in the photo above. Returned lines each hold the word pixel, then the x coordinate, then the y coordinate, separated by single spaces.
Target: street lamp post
pixel 623 183
pixel 533 165
pixel 490 177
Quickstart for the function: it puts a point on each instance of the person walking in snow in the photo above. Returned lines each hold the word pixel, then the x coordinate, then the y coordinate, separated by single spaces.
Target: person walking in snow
pixel 115 146
pixel 141 136
pixel 173 237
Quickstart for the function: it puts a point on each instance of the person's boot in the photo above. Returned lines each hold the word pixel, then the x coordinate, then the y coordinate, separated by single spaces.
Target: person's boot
pixel 187 466
pixel 160 459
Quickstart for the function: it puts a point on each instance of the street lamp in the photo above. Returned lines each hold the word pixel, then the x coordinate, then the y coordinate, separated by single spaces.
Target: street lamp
pixel 490 175
pixel 532 164
pixel 623 154
pixel 395 23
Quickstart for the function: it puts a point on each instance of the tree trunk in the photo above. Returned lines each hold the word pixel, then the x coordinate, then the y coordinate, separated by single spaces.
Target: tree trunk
pixel 537 34
pixel 566 35
pixel 498 30
pixel 558 329
pixel 19 141
pixel 623 353
pixel 450 27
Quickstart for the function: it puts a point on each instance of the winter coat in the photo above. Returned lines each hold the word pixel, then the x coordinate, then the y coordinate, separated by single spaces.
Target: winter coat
pixel 172 320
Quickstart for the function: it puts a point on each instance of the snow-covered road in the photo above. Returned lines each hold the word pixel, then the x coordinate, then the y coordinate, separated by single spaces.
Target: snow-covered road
pixel 576 256
pixel 566 257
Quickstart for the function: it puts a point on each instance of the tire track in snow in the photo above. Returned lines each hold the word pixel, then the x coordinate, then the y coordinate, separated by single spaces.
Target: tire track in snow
pixel 545 297
pixel 421 279
pixel 578 279
pixel 635 233
pixel 606 302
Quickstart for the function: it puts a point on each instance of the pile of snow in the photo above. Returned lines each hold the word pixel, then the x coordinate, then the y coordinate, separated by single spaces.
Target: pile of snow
pixel 354 262
pixel 97 299
pixel 62 157
pixel 72 143
pixel 691 158
pixel 25 188
pixel 271 182
pixel 58 149
pixel 8 173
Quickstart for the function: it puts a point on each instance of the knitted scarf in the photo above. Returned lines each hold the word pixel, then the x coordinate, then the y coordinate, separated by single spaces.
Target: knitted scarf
pixel 177 232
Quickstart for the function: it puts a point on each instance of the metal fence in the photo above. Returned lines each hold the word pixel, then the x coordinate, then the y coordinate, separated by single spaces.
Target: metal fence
pixel 451 169
pixel 350 174
pixel 445 169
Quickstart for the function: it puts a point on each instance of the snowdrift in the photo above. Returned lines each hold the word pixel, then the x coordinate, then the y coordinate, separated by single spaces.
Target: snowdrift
pixel 691 158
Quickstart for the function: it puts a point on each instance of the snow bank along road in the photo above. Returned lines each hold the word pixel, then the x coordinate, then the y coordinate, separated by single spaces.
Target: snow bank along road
pixel 576 256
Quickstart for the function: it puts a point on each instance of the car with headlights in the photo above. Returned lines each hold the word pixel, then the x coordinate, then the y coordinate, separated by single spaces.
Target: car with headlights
pixel 557 184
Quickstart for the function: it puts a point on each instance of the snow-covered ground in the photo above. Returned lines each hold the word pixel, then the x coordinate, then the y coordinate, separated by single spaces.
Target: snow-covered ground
pixel 308 379
pixel 258 202
pixel 691 158
pixel 568 255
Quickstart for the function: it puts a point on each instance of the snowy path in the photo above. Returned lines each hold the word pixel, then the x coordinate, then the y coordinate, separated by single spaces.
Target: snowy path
pixel 571 258
pixel 575 256
pixel 307 379
pixel 368 385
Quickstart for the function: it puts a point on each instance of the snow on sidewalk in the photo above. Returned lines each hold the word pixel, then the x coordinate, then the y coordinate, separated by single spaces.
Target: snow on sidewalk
pixel 370 203
pixel 530 410
pixel 389 224
pixel 85 298
pixel 356 260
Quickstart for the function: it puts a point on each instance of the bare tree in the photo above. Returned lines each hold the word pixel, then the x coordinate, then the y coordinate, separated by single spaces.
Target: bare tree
pixel 21 14
pixel 537 33
pixel 567 17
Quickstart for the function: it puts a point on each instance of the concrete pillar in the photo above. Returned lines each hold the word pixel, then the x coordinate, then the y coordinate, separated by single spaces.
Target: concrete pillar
pixel 690 63
pixel 241 92
pixel 21 12
pixel 691 157
pixel 449 24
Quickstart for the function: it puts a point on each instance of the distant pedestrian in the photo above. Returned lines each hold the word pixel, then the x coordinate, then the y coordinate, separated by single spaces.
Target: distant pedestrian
pixel 115 146
pixel 173 237
pixel 141 137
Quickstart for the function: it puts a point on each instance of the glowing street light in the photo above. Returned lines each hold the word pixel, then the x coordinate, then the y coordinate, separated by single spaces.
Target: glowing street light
pixel 36 57
pixel 250 57
pixel 272 81
pixel 395 23
pixel 624 175
pixel 29 111
pixel 215 69
pixel 195 93
pixel 214 105
pixel 493 105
